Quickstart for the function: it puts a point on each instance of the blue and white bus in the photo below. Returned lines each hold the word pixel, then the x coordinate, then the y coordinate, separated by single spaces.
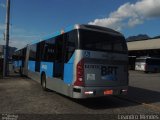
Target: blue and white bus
pixel 18 60
pixel 147 64
pixel 82 61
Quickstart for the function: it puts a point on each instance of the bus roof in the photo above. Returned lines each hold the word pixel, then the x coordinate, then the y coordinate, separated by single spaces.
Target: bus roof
pixel 100 28
pixel 18 49
pixel 21 48
pixel 146 57
pixel 77 26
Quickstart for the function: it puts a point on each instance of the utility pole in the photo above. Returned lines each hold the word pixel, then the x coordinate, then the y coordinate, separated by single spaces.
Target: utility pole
pixel 6 49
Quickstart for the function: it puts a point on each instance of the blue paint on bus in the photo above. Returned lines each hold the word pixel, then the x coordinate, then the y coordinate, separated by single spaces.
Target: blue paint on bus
pixel 68 73
pixel 35 41
pixel 17 63
pixel 68 70
pixel 31 66
pixel 47 37
pixel 67 29
pixel 47 67
pixel 56 33
pixel 72 58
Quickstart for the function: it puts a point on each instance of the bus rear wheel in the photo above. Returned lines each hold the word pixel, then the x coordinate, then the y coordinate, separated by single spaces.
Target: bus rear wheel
pixel 43 82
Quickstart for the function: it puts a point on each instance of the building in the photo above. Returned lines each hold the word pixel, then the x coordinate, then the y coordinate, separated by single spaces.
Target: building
pixel 11 51
pixel 150 47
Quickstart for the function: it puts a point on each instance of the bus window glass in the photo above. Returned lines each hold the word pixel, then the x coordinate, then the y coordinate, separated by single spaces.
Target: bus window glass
pixel 32 54
pixel 71 38
pixel 48 50
pixel 99 41
pixel 59 48
pixel 118 46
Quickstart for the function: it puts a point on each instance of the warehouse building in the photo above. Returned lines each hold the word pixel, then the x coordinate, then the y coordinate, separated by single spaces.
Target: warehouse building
pixel 150 47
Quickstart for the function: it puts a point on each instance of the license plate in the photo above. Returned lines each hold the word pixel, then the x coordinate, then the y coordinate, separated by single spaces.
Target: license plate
pixel 108 92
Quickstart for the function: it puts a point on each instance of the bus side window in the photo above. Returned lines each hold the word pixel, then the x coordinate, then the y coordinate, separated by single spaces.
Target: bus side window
pixel 38 57
pixel 70 44
pixel 32 54
pixel 58 63
pixel 47 49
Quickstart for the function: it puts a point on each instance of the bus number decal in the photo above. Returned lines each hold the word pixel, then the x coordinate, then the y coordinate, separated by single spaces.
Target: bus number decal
pixel 108 70
pixel 108 73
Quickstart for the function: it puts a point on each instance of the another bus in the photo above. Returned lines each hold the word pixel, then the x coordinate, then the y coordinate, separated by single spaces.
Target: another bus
pixel 82 61
pixel 18 60
pixel 148 64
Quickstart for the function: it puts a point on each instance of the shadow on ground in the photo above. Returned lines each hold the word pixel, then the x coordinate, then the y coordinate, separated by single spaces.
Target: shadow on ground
pixel 143 95
pixel 135 94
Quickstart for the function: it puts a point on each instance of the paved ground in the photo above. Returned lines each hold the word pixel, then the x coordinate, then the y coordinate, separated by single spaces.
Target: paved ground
pixel 24 97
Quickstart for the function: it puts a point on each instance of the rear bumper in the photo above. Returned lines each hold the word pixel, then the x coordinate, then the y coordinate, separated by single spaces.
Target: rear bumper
pixel 91 92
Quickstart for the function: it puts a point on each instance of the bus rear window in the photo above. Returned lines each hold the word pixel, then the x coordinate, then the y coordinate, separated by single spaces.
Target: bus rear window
pixel 99 41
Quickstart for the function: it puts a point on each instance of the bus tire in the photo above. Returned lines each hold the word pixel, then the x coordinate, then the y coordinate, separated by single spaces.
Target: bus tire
pixel 43 81
pixel 155 70
pixel 20 71
pixel 146 72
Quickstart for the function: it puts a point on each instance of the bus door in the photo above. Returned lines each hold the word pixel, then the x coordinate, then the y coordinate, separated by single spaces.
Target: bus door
pixel 59 59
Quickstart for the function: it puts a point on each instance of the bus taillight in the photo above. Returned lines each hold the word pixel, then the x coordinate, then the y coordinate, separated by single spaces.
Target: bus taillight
pixel 80 74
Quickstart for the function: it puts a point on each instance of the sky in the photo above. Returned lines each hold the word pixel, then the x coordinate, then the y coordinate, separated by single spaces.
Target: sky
pixel 34 19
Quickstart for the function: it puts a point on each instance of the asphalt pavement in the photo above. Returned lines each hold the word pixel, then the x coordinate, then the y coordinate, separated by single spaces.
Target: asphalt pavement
pixel 25 98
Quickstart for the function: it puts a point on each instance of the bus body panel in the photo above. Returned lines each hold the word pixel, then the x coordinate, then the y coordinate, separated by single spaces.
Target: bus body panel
pixel 80 92
pixel 105 73
pixel 17 65
pixel 111 65
pixel 31 65
pixel 34 76
pixel 68 73
pixel 59 86
pixel 54 84
pixel 47 67
pixel 94 81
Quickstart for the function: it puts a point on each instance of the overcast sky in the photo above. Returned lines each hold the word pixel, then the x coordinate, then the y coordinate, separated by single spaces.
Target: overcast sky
pixel 33 19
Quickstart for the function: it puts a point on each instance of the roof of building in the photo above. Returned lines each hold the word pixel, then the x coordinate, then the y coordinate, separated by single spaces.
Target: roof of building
pixel 144 44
